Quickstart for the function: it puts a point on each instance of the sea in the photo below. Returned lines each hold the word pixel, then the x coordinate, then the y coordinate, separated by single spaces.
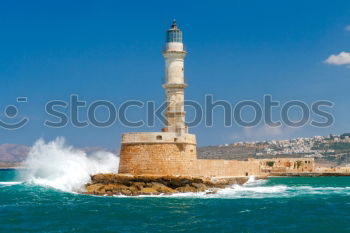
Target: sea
pixel 45 197
pixel 302 204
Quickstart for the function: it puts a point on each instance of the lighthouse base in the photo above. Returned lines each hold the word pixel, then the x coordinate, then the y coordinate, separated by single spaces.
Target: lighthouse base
pixel 162 153
pixel 166 154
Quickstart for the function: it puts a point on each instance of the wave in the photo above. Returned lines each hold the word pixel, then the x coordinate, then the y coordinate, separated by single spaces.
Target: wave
pixel 310 190
pixel 252 181
pixel 57 165
pixel 241 193
pixel 260 189
pixel 10 183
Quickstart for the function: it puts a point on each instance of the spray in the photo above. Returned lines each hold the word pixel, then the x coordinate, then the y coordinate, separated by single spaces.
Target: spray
pixel 63 167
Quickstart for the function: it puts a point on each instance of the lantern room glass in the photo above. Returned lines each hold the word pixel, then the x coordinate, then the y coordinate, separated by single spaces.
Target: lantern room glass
pixel 174 36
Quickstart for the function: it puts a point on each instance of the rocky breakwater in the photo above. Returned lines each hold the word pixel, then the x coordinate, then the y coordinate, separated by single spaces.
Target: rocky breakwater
pixel 120 184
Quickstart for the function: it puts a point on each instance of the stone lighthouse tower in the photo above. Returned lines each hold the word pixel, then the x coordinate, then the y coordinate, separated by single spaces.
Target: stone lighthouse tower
pixel 174 54
pixel 172 151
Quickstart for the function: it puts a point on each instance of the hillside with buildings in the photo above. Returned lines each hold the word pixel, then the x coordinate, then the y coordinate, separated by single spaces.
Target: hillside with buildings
pixel 332 150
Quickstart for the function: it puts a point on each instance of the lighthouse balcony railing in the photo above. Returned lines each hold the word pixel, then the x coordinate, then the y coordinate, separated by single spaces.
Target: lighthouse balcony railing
pixel 165 49
pixel 163 80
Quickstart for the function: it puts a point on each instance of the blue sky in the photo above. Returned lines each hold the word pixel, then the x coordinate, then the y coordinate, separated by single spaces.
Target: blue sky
pixel 111 50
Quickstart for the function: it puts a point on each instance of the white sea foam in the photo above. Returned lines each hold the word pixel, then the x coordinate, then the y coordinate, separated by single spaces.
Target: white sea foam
pixel 261 189
pixel 252 181
pixel 309 190
pixel 10 183
pixel 63 167
pixel 252 189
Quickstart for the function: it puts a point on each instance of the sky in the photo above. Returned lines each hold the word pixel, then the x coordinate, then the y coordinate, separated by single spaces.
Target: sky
pixel 111 50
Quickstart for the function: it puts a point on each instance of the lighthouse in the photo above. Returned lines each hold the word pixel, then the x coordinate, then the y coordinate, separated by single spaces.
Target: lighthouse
pixel 174 54
pixel 173 152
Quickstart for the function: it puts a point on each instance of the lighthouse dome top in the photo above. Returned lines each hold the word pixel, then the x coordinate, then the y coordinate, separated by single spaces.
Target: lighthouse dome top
pixel 174 34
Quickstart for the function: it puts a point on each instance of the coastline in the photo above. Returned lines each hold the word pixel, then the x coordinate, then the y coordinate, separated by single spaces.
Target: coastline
pixel 110 184
pixel 7 168
pixel 309 174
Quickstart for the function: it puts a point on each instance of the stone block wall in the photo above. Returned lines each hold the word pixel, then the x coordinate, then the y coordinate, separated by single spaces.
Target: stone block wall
pixel 157 158
pixel 218 167
pixel 287 165
pixel 160 154
pixel 166 153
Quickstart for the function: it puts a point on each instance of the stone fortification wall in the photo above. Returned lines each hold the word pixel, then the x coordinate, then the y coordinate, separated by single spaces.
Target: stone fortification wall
pixel 167 153
pixel 287 165
pixel 176 159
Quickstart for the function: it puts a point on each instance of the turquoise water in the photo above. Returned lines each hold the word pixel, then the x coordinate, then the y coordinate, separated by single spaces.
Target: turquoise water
pixel 278 205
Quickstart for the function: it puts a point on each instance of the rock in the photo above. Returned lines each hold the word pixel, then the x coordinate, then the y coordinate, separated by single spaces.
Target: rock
pixel 186 189
pixel 111 178
pixel 102 178
pixel 126 192
pixel 102 189
pixel 213 191
pixel 149 191
pixel 119 187
pixel 200 187
pixel 134 190
pixel 241 180
pixel 109 193
pixel 94 188
pixel 176 182
pixel 124 179
pixel 111 184
pixel 138 185
pixel 160 187
pixel 225 181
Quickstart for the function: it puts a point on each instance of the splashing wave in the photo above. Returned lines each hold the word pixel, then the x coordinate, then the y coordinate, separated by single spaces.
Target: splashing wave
pixel 63 167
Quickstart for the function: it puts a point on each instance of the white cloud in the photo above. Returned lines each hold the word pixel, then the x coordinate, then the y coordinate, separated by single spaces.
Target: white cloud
pixel 342 58
pixel 347 28
pixel 265 132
